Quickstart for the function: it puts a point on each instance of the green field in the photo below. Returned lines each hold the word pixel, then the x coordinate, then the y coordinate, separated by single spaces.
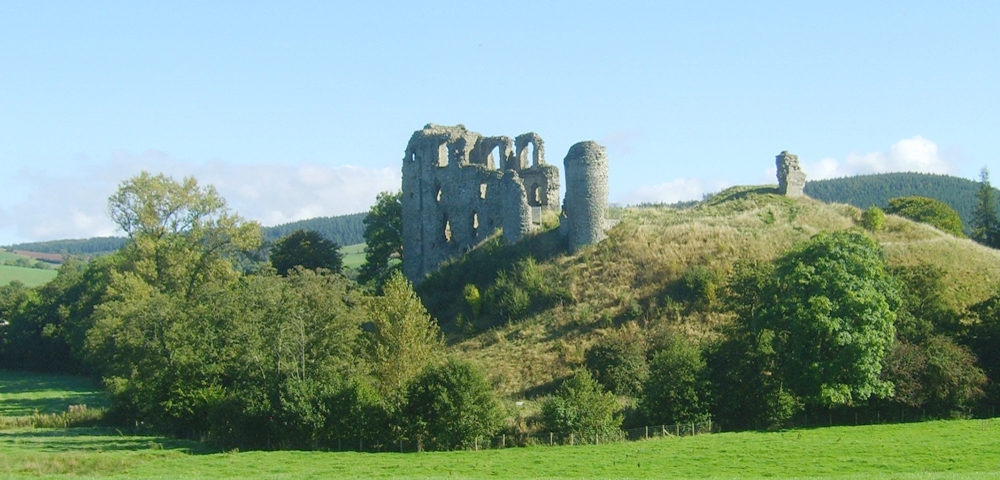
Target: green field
pixel 941 449
pixel 23 393
pixel 354 255
pixel 31 277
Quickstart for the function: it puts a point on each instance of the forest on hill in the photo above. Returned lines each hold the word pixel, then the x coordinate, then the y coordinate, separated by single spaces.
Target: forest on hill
pixel 751 309
pixel 343 229
pixel 864 191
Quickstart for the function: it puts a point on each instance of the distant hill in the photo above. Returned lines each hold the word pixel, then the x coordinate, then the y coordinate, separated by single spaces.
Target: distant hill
pixel 343 229
pixel 864 191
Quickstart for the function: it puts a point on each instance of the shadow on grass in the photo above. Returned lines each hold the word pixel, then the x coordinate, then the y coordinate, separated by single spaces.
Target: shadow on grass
pixel 96 439
pixel 24 393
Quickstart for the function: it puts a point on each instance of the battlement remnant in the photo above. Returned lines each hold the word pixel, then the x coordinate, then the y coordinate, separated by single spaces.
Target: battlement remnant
pixel 460 186
pixel 791 178
pixel 586 203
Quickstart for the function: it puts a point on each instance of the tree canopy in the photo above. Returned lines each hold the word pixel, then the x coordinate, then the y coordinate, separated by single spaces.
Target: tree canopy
pixel 928 210
pixel 831 313
pixel 384 239
pixel 306 249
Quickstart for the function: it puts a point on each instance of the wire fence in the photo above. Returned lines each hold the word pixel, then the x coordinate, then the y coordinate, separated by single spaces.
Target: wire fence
pixel 404 445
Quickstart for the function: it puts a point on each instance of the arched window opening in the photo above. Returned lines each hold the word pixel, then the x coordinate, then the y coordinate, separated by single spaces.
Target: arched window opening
pixel 536 195
pixel 442 160
pixel 447 231
pixel 482 191
pixel 475 224
pixel 437 197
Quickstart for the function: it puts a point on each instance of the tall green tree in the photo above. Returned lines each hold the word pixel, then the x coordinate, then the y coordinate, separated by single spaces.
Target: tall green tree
pixel 402 339
pixel 830 319
pixel 677 388
pixel 986 223
pixel 383 239
pixel 181 235
pixel 306 249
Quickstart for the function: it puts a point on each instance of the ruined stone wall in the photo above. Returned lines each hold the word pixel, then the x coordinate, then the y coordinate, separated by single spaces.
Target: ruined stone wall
pixel 454 196
pixel 586 203
pixel 791 178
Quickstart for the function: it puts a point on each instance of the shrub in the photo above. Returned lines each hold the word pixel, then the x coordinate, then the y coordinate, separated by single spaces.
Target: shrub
pixel 698 284
pixel 582 408
pixel 873 219
pixel 451 405
pixel 928 210
pixel 937 375
pixel 618 363
pixel 677 388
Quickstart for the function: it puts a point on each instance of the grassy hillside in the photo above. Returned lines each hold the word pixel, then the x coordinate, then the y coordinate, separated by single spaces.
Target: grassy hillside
pixel 943 449
pixel 354 255
pixel 634 278
pixel 10 270
pixel 864 191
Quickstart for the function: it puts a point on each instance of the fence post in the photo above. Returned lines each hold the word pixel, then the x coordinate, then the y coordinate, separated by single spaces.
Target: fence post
pixel 550 439
pixel 503 440
pixel 709 424
pixel 571 439
pixel 477 443
pixel 663 430
pixel 647 432
pixel 692 429
pixel 597 439
pixel 677 429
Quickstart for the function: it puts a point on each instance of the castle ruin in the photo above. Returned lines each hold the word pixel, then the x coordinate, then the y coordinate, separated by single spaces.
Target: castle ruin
pixel 791 178
pixel 460 186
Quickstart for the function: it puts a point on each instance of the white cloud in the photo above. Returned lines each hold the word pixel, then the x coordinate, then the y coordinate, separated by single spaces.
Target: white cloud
pixel 916 154
pixel 679 190
pixel 73 204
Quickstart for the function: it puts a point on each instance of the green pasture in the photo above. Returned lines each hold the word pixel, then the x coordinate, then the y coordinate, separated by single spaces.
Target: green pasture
pixel 24 393
pixel 354 255
pixel 942 449
pixel 31 277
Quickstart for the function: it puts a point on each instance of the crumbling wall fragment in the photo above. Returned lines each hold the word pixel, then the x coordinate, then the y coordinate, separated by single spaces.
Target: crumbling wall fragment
pixel 791 178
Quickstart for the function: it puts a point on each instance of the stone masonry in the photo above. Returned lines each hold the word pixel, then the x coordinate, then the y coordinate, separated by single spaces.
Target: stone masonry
pixel 586 201
pixel 460 186
pixel 791 178
pixel 454 195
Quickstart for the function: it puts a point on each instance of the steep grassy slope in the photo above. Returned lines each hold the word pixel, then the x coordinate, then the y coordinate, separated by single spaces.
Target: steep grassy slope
pixel 634 277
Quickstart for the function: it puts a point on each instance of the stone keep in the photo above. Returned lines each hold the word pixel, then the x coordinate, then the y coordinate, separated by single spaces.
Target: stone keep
pixel 460 186
pixel 586 203
pixel 791 178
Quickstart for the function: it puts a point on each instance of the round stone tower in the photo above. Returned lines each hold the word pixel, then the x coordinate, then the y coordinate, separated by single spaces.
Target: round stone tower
pixel 586 202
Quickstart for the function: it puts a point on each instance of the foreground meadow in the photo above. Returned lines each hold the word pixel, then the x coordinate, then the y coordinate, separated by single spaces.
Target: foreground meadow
pixel 941 449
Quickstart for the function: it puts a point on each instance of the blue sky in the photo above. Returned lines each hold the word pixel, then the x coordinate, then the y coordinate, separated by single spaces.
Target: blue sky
pixel 301 109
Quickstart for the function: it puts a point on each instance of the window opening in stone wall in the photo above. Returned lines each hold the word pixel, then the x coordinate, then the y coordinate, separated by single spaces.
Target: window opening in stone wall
pixel 482 190
pixel 438 196
pixel 413 157
pixel 536 195
pixel 530 158
pixel 495 158
pixel 447 231
pixel 475 224
pixel 443 155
